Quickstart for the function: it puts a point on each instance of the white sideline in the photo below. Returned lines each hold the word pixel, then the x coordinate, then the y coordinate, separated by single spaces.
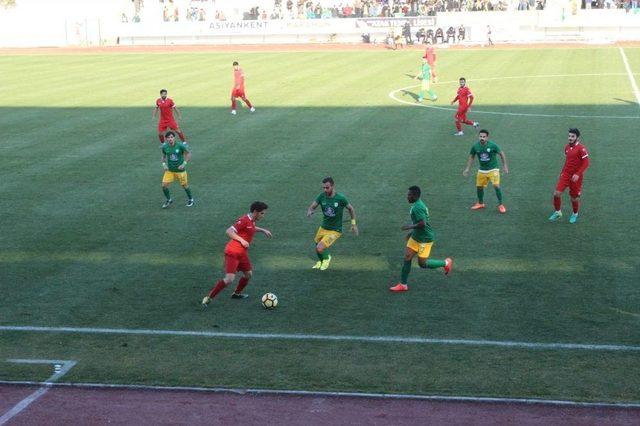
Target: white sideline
pixel 632 79
pixel 276 392
pixel 61 368
pixel 329 337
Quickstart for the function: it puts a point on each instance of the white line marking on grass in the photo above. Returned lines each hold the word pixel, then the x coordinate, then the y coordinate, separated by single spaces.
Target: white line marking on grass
pixel 329 337
pixel 398 396
pixel 393 96
pixel 632 79
pixel 61 367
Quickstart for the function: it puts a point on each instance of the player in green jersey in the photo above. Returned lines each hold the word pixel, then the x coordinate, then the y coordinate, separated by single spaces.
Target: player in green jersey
pixel 419 241
pixel 425 73
pixel 175 157
pixel 332 204
pixel 488 170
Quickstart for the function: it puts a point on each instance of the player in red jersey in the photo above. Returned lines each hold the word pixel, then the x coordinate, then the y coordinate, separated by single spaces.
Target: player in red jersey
pixel 238 89
pixel 166 106
pixel 430 56
pixel 236 256
pixel 575 163
pixel 465 99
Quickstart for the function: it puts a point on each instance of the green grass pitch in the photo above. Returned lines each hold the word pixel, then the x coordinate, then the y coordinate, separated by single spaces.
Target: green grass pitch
pixel 84 242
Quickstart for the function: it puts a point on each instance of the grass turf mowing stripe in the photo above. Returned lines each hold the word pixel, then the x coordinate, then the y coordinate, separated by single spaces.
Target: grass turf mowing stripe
pixel 368 339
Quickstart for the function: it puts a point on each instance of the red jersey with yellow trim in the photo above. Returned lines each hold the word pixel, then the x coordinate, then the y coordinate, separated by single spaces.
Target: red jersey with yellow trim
pixel 238 78
pixel 464 93
pixel 245 227
pixel 166 108
pixel 576 159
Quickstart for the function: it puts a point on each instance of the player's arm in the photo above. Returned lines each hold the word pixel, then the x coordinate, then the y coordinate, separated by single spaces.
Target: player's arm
pixel 187 158
pixel 178 113
pixel 454 100
pixel 583 167
pixel 465 172
pixel 155 110
pixel 470 98
pixel 164 161
pixel 311 208
pixel 503 157
pixel 264 231
pixel 421 224
pixel 352 212
pixel 232 234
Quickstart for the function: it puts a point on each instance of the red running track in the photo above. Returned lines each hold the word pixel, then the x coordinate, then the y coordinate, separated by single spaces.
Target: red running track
pixel 95 406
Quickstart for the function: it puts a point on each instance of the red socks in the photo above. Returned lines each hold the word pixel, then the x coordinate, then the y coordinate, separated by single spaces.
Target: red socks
pixel 576 205
pixel 468 123
pixel 220 285
pixel 246 101
pixel 458 126
pixel 233 103
pixel 242 284
pixel 161 137
pixel 181 136
pixel 557 202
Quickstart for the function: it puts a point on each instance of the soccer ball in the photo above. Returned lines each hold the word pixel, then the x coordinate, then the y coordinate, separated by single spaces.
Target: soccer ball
pixel 269 301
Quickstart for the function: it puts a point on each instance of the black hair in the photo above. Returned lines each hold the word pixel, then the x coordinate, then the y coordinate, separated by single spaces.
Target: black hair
pixel 575 131
pixel 169 133
pixel 415 190
pixel 258 206
pixel 485 131
pixel 163 91
pixel 235 63
pixel 328 179
pixel 462 78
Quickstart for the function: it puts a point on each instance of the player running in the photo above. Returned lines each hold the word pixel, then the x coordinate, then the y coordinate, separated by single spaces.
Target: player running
pixel 236 256
pixel 575 164
pixel 238 89
pixel 166 106
pixel 465 99
pixel 488 170
pixel 332 204
pixel 425 73
pixel 174 161
pixel 419 241
pixel 430 56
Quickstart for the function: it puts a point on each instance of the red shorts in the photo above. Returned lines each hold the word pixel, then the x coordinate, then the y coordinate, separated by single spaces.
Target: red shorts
pixel 234 262
pixel 461 114
pixel 575 188
pixel 167 124
pixel 238 93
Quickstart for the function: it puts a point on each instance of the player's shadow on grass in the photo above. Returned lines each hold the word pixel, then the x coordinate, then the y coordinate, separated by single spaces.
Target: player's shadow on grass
pixel 411 94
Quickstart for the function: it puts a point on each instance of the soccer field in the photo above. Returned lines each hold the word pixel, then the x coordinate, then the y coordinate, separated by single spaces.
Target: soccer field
pixel 532 309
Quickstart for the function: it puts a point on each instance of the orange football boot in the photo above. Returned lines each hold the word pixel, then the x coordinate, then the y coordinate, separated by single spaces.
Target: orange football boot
pixel 399 287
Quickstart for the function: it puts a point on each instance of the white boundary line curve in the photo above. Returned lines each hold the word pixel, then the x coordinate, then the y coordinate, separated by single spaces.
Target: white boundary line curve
pixel 61 367
pixel 329 337
pixel 397 396
pixel 393 93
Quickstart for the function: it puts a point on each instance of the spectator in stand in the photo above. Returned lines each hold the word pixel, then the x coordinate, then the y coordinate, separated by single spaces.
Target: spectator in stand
pixel 430 39
pixel 451 35
pixel 421 36
pixel 406 32
pixel 439 34
pixel 461 33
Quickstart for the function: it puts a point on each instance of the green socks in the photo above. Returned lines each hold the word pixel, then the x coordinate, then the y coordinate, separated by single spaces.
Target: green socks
pixel 166 193
pixel 499 194
pixel 320 258
pixel 432 94
pixel 188 191
pixel 406 268
pixel 480 191
pixel 434 264
pixel 325 254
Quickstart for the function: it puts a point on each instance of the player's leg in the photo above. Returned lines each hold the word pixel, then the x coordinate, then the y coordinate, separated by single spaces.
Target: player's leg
pixel 495 181
pixel 231 263
pixel 184 182
pixel 482 181
pixel 162 127
pixel 317 239
pixel 247 102
pixel 233 102
pixel 563 183
pixel 409 253
pixel 426 263
pixel 246 276
pixel 167 178
pixel 434 77
pixel 174 126
pixel 458 118
pixel 328 238
pixel 575 189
